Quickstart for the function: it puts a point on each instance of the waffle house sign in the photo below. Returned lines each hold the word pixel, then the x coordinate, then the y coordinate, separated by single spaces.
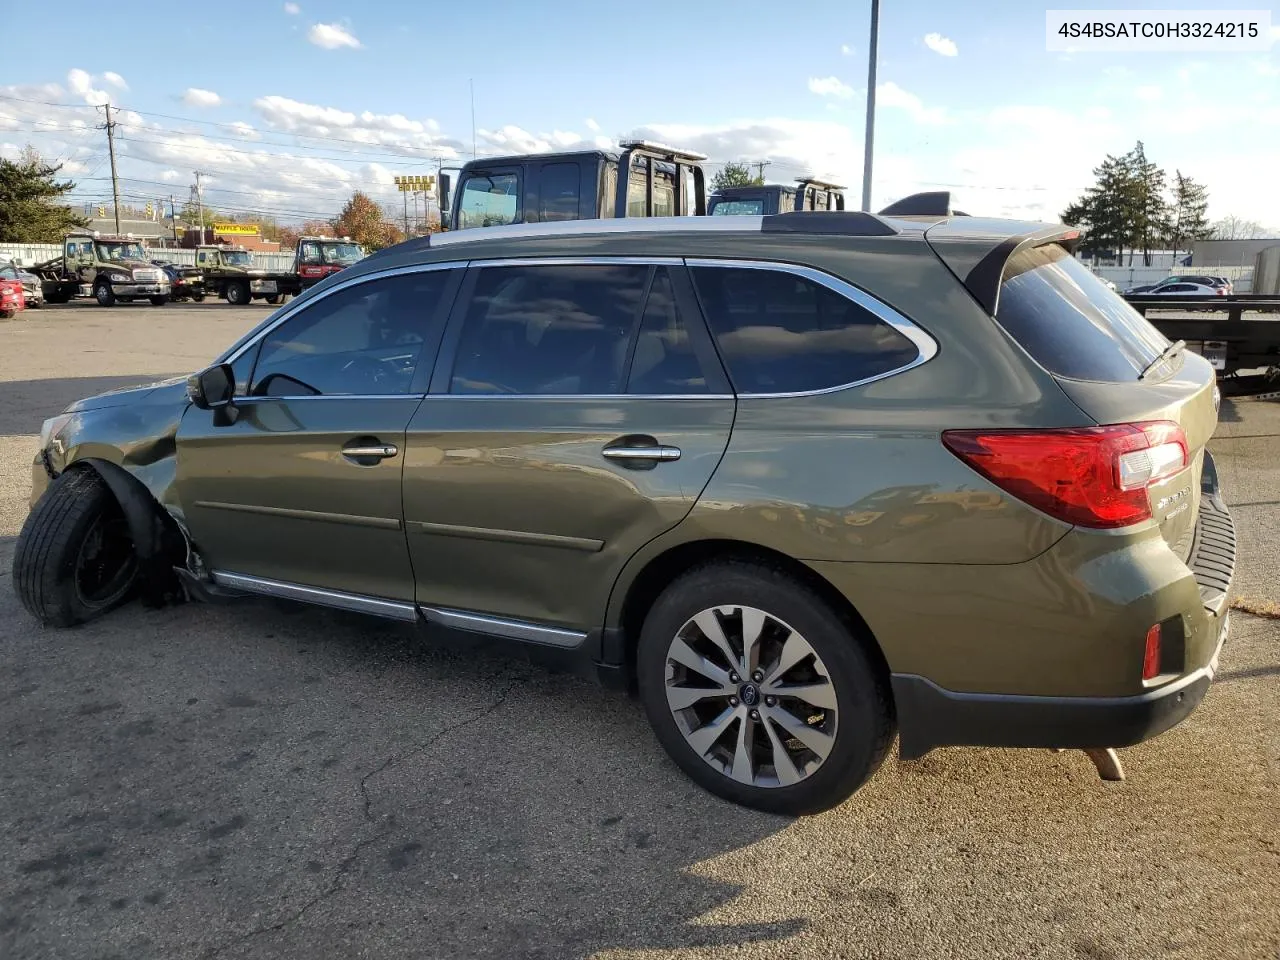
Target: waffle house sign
pixel 235 229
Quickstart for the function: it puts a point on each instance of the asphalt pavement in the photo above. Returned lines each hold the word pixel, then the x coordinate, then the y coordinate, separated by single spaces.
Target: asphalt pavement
pixel 259 780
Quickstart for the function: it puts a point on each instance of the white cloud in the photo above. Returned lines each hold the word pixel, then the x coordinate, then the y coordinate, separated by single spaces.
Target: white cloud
pixel 830 87
pixel 846 50
pixel 592 125
pixel 889 94
pixel 169 175
pixel 1149 93
pixel 941 45
pixel 195 97
pixel 331 36
pixel 292 9
pixel 395 132
pixel 81 84
pixel 245 130
pixel 115 80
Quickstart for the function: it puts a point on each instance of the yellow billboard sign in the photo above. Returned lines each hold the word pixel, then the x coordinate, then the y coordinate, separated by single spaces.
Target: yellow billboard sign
pixel 412 184
pixel 236 229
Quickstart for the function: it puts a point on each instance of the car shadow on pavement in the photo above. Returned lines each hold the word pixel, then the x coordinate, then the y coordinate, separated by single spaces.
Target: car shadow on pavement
pixel 258 779
pixel 25 404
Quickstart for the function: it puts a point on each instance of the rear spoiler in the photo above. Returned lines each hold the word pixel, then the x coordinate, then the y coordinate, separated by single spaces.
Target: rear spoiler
pixel 933 203
pixel 977 254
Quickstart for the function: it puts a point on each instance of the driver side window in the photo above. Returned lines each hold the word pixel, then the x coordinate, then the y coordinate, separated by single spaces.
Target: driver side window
pixel 366 339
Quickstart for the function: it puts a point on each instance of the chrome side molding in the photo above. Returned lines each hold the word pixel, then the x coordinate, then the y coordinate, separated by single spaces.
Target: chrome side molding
pixel 355 602
pixel 502 627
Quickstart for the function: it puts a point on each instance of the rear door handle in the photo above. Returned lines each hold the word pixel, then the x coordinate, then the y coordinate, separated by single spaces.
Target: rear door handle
pixel 659 452
pixel 369 451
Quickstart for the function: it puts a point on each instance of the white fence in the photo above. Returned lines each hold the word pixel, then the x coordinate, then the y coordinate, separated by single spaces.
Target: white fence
pixel 1126 277
pixel 27 254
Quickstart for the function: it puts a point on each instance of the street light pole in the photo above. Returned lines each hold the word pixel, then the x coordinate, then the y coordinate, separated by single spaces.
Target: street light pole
pixel 871 106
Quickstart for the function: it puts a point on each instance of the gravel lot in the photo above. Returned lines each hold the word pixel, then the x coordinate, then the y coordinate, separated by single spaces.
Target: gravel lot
pixel 258 780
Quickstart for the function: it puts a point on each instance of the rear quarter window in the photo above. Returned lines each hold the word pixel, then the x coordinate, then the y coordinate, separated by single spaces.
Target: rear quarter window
pixel 781 332
pixel 1070 322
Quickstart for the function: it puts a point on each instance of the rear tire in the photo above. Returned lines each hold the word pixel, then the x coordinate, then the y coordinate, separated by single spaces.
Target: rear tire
pixel 845 718
pixel 273 299
pixel 158 301
pixel 74 560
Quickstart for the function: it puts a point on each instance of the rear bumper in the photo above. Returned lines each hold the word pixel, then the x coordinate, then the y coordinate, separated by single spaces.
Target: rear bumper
pixel 930 716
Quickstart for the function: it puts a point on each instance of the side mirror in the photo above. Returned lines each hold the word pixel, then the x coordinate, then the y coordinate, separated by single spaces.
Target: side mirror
pixel 212 387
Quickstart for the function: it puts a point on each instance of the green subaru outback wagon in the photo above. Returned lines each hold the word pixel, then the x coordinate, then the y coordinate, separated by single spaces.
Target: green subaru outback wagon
pixel 804 481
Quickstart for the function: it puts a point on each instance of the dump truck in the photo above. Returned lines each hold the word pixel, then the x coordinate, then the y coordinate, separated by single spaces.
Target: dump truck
pixel 110 268
pixel 765 199
pixel 318 257
pixel 231 274
pixel 658 181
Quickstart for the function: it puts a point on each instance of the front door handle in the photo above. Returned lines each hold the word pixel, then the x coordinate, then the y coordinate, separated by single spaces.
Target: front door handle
pixel 369 451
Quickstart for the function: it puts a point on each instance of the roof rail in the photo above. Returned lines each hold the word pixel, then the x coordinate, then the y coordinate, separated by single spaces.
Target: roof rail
pixel 932 203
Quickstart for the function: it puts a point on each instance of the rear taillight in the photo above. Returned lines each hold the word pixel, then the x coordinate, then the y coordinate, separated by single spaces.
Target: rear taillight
pixel 1089 476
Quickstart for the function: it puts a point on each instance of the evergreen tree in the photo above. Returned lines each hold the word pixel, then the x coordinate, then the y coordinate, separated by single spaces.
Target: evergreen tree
pixel 29 191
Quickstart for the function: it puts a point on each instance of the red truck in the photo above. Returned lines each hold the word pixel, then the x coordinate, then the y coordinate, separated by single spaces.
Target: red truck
pixel 317 257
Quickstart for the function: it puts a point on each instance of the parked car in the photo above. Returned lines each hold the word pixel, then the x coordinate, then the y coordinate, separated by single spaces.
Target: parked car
pixel 186 283
pixel 801 486
pixel 12 301
pixel 32 288
pixel 1186 289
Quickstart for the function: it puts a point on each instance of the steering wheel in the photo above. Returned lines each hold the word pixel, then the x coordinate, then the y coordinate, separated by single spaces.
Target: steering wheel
pixel 370 368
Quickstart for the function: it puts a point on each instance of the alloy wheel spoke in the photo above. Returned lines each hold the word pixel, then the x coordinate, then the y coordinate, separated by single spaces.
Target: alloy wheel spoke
pixel 783 766
pixel 813 738
pixel 709 624
pixel 795 649
pixel 752 628
pixel 821 694
pixel 681 698
pixel 686 656
pixel 702 738
pixel 742 765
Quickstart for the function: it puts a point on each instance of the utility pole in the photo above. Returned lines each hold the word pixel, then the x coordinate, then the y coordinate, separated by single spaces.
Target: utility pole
pixel 473 118
pixel 200 204
pixel 173 219
pixel 111 149
pixel 871 106
pixel 760 165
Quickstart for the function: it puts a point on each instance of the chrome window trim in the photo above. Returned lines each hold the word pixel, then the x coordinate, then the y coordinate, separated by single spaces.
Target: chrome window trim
pixel 925 344
pixel 582 228
pixel 241 401
pixel 580 396
pixel 292 310
pixel 355 602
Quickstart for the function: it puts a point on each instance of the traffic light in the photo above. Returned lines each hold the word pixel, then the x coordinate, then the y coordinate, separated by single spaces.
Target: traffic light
pixel 151 209
pixel 102 210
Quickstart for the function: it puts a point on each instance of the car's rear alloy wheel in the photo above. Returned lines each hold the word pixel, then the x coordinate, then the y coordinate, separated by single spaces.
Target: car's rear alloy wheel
pixel 760 692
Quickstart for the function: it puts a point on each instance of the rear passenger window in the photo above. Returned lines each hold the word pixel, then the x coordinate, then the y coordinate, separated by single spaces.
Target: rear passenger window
pixel 558 191
pixel 1070 322
pixel 782 333
pixel 548 329
pixel 664 361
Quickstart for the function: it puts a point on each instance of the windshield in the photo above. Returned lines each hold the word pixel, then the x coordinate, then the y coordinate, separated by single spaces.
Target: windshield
pixel 341 252
pixel 121 251
pixel 237 258
pixel 489 201
pixel 737 208
pixel 1070 322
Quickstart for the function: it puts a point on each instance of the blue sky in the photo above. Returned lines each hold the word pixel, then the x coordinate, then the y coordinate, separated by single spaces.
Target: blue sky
pixel 325 97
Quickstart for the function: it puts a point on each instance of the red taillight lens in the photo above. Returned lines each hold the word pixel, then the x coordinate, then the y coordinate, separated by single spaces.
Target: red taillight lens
pixel 1089 476
pixel 1151 655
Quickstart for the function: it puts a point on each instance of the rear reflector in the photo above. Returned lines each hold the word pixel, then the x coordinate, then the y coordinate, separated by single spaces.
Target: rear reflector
pixel 1151 655
pixel 1088 476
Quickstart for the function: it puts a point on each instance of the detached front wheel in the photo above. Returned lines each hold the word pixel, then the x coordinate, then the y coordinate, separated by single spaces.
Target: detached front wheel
pixel 75 559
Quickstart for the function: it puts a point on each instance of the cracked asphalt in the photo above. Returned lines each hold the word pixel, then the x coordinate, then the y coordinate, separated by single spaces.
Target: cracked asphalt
pixel 260 780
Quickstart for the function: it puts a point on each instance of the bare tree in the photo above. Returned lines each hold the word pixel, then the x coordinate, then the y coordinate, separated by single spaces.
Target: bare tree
pixel 1237 228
